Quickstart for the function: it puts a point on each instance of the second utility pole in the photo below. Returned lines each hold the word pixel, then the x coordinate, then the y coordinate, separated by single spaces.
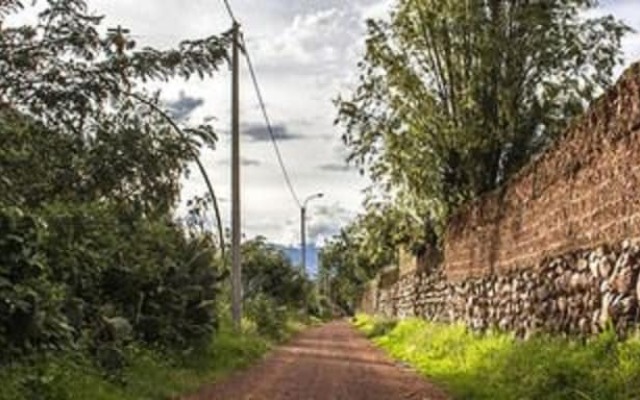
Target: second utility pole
pixel 303 237
pixel 236 266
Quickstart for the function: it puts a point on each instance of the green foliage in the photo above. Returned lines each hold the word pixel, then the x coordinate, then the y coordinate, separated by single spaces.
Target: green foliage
pixel 90 169
pixel 76 121
pixel 274 290
pixel 148 374
pixel 124 159
pixel 69 72
pixel 374 328
pixel 344 269
pixel 31 315
pixel 455 95
pixel 67 274
pixel 497 366
pixel 269 317
pixel 367 245
pixel 103 294
pixel 268 272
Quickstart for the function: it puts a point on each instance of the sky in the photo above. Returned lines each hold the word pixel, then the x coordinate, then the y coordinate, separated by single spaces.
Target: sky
pixel 305 54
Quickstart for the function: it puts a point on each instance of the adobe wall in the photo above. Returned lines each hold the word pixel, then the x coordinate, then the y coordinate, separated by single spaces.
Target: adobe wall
pixel 582 192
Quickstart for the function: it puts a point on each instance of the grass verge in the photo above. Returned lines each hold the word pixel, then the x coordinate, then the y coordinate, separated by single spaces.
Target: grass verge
pixel 496 366
pixel 148 374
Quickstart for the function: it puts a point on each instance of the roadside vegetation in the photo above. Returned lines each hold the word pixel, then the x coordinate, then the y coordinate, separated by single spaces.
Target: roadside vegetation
pixel 498 366
pixel 105 292
pixel 145 373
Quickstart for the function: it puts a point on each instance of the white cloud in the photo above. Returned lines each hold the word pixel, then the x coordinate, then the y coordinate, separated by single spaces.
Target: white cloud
pixel 303 42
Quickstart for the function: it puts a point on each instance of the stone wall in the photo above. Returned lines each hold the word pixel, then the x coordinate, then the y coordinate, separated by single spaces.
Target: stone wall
pixel 578 293
pixel 556 248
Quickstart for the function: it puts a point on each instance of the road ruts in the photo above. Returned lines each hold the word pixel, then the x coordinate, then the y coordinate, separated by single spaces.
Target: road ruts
pixel 330 362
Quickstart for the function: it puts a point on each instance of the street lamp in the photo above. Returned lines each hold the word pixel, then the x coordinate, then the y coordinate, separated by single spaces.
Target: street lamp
pixel 303 232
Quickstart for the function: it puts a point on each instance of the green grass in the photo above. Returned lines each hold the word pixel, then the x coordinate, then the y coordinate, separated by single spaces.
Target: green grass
pixel 148 374
pixel 496 366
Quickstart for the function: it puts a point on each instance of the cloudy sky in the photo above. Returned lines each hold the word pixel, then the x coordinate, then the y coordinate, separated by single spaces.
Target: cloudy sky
pixel 305 54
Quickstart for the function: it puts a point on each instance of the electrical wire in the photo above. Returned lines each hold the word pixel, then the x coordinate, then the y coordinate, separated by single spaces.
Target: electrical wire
pixel 267 121
pixel 263 108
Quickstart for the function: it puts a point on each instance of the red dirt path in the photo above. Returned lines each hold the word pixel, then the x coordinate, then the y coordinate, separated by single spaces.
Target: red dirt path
pixel 331 362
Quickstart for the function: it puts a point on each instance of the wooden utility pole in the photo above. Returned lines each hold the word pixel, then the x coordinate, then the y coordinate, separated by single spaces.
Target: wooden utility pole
pixel 303 238
pixel 303 229
pixel 236 266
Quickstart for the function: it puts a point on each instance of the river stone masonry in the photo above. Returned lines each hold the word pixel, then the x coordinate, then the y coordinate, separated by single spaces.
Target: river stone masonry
pixel 577 294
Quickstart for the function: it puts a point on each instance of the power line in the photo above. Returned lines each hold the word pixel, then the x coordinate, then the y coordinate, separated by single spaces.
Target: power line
pixel 267 120
pixel 263 108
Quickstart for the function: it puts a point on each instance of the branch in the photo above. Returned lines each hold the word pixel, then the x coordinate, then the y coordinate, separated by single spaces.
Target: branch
pixel 214 198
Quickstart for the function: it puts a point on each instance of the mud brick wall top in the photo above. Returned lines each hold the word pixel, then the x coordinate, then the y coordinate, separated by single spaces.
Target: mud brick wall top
pixel 584 190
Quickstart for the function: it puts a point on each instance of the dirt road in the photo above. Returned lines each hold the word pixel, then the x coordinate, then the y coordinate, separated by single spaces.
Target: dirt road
pixel 332 362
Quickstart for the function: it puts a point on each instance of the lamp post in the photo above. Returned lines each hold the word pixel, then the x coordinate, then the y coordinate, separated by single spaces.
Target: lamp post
pixel 303 232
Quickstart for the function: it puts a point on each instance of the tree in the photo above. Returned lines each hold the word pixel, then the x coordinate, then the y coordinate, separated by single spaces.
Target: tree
pixel 64 72
pixel 128 160
pixel 343 271
pixel 67 77
pixel 456 95
pixel 273 288
pixel 90 167
pixel 267 271
pixel 367 245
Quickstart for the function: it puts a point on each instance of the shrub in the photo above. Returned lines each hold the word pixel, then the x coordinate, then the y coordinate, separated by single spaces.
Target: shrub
pixel 270 317
pixel 163 283
pixel 30 302
pixel 71 273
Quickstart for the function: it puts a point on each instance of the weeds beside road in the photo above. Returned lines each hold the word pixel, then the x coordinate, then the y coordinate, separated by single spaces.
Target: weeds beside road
pixel 496 366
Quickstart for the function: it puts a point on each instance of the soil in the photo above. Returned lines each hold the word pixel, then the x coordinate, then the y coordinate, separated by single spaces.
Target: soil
pixel 332 362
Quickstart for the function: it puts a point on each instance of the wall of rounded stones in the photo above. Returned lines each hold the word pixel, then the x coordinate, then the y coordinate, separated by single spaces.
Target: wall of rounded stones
pixel 579 293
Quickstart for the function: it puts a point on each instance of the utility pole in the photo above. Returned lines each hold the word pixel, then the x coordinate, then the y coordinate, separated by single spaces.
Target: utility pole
pixel 303 238
pixel 236 266
pixel 303 229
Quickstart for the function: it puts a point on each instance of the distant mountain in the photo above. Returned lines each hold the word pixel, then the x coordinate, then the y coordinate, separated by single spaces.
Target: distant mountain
pixel 294 255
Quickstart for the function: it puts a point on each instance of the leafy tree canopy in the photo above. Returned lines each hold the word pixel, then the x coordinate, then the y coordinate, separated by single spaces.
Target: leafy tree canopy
pixel 455 95
pixel 75 92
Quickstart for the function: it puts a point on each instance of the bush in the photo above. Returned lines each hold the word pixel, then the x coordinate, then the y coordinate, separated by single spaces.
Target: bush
pixel 270 317
pixel 147 374
pixel 273 288
pixel 163 283
pixel 31 316
pixel 72 274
